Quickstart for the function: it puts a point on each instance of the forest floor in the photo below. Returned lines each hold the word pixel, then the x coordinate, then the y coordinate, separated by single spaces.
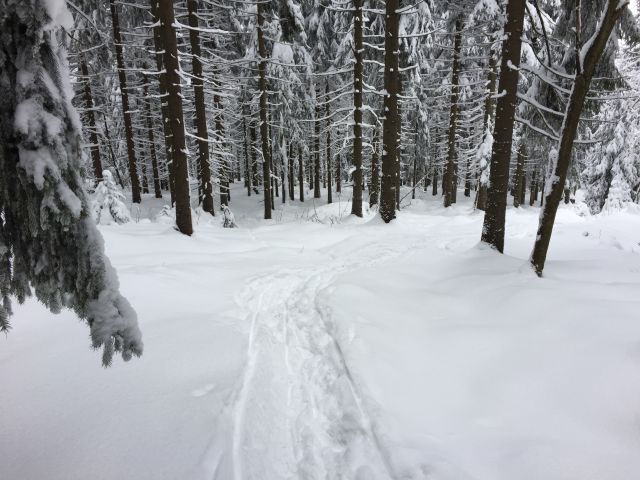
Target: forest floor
pixel 319 346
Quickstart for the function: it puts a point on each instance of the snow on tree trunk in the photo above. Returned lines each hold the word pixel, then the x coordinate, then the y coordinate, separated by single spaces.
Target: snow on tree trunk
pixel 587 62
pixel 494 218
pixel 48 241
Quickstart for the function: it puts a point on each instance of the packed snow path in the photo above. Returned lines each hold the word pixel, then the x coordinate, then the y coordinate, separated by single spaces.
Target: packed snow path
pixel 299 413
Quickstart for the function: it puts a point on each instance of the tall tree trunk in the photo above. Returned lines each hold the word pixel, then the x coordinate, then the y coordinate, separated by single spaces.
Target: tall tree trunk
pixel 519 180
pixel 292 176
pixel 152 141
pixel 162 89
pixel 254 162
pixel 586 65
pixel 90 115
pixel 126 113
pixel 390 156
pixel 264 121
pixel 450 176
pixel 204 168
pixel 329 180
pixel 481 196
pixel 300 173
pixel 494 218
pixel 316 166
pixel 247 160
pixel 358 71
pixel 225 170
pixel 533 196
pixel 374 190
pixel 176 117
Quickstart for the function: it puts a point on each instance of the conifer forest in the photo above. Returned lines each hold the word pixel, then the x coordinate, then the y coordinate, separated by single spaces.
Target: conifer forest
pixel 319 239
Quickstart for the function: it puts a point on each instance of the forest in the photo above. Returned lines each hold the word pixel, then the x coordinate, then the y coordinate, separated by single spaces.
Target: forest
pixel 319 239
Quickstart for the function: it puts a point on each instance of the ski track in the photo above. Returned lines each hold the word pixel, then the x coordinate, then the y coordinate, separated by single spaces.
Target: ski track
pixel 298 411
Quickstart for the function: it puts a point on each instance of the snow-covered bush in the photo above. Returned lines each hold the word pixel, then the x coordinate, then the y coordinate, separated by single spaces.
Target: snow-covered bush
pixel 108 202
pixel 228 220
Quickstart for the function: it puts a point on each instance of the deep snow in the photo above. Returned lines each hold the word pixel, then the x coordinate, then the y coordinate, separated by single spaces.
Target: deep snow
pixel 321 346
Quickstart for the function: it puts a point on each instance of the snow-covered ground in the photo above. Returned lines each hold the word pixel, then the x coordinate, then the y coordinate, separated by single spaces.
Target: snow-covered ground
pixel 318 346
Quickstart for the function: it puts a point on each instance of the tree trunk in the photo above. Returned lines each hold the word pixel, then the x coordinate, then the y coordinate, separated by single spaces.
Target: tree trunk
pixel 358 70
pixel 481 196
pixel 300 173
pixel 390 157
pixel 124 93
pixel 450 175
pixel 374 190
pixel 176 118
pixel 316 167
pixel 90 115
pixel 494 218
pixel 204 168
pixel 247 161
pixel 152 141
pixel 162 89
pixel 533 196
pixel 586 66
pixel 264 121
pixel 519 180
pixel 329 180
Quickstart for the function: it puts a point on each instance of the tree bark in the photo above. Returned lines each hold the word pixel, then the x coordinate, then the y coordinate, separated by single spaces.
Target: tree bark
pixel 300 173
pixel 450 176
pixel 204 168
pixel 90 115
pixel 591 54
pixel 374 190
pixel 358 71
pixel 152 141
pixel 494 218
pixel 519 180
pixel 316 167
pixel 390 157
pixel 481 196
pixel 264 121
pixel 126 113
pixel 162 89
pixel 176 117
pixel 328 146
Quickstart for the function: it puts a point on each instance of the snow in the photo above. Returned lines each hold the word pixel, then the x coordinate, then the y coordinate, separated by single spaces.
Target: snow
pixel 317 346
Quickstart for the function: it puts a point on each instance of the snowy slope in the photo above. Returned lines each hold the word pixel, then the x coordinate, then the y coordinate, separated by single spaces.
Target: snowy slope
pixel 339 349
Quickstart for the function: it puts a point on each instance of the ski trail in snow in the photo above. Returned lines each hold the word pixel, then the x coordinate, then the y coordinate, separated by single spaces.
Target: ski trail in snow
pixel 299 414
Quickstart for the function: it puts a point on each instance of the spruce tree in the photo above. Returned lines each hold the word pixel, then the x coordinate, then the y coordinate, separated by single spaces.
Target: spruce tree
pixel 49 244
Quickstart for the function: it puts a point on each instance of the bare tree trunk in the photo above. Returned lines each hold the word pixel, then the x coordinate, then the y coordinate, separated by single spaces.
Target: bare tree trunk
pixel 533 196
pixel 247 161
pixel 481 196
pixel 374 190
pixel 204 168
pixel 390 154
pixel 124 93
pixel 316 167
pixel 176 117
pixel 519 180
pixel 90 115
pixel 300 173
pixel 328 146
pixel 585 67
pixel 450 174
pixel 162 89
pixel 264 121
pixel 291 174
pixel 152 141
pixel 358 71
pixel 494 218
